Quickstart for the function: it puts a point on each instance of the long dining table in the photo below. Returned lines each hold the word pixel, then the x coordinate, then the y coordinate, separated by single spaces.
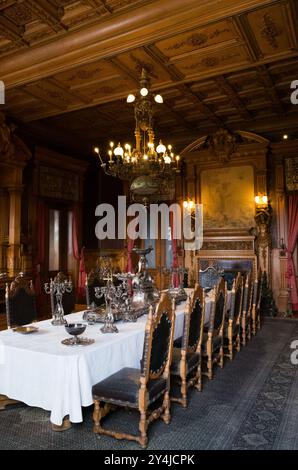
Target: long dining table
pixel 38 370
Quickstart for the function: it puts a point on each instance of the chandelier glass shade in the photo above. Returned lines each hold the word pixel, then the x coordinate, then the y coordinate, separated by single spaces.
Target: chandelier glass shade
pixel 144 159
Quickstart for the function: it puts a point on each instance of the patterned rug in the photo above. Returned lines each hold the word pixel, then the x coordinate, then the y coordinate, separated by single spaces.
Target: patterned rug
pixel 251 404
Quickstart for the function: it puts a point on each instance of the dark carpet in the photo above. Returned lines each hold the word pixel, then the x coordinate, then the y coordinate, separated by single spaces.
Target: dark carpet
pixel 251 404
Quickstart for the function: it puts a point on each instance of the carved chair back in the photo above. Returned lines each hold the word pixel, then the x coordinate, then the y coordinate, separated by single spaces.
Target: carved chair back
pixel 210 276
pixel 257 291
pixel 236 302
pixel 68 299
pixel 247 295
pixel 20 302
pixel 194 321
pixel 158 342
pixel 218 309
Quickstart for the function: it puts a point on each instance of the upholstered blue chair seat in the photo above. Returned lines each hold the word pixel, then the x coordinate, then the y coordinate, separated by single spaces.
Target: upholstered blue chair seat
pixel 123 387
pixel 192 361
pixel 216 343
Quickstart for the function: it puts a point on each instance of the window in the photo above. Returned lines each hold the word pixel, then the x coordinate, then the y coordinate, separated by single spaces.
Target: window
pixel 60 240
pixel 54 238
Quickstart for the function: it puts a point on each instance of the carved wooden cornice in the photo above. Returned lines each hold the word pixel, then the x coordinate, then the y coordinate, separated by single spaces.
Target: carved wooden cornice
pixel 13 151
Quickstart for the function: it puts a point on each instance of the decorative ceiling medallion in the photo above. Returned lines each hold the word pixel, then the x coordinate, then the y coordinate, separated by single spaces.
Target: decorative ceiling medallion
pixel 142 64
pixel 270 31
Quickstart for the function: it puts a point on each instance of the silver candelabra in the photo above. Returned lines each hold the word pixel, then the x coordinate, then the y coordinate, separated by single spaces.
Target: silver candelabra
pixel 109 292
pixel 58 289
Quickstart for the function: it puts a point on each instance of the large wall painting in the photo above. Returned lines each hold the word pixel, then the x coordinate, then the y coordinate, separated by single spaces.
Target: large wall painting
pixel 227 195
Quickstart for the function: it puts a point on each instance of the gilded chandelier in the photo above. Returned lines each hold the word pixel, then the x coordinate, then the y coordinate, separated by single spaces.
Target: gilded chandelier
pixel 146 166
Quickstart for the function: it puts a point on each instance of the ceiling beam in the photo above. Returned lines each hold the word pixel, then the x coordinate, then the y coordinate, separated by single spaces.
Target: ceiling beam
pixel 245 31
pixel 11 31
pixel 229 91
pixel 47 13
pixel 99 4
pixel 270 89
pixel 196 99
pixel 162 60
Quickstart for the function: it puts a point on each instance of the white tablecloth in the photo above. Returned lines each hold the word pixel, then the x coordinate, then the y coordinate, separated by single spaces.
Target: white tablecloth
pixel 38 370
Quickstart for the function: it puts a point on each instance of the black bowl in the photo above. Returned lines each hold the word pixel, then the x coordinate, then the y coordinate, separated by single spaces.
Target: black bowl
pixel 75 329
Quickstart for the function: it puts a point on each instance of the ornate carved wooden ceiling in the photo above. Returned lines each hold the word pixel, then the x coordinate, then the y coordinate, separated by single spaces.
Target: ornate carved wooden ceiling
pixel 68 65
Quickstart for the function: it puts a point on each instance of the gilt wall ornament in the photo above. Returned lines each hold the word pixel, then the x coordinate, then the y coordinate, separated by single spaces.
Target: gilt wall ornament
pixel 222 144
pixel 263 242
pixel 291 171
pixel 7 147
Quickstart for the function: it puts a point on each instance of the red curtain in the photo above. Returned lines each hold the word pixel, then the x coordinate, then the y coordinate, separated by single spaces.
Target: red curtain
pixel 78 255
pixel 40 252
pixel 130 245
pixel 292 240
pixel 174 252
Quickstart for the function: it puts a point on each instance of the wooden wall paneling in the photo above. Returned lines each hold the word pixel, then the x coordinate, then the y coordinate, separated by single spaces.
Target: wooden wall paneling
pixel 4 218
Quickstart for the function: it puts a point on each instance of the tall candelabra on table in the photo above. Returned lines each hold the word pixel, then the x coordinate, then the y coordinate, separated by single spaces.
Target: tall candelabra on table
pixel 58 289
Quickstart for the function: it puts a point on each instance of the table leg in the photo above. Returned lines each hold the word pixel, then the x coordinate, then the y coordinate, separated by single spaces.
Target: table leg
pixel 4 401
pixel 64 426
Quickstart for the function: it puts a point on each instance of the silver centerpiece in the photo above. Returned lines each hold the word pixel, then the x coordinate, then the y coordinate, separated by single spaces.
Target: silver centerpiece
pixel 144 291
pixel 58 289
pixel 179 292
pixel 125 300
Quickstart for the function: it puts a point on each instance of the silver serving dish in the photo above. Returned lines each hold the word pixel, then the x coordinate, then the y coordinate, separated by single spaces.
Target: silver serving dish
pixel 25 330
pixel 98 315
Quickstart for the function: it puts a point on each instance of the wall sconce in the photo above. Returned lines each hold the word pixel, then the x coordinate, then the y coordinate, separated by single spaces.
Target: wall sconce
pixel 189 204
pixel 282 248
pixel 190 208
pixel 261 201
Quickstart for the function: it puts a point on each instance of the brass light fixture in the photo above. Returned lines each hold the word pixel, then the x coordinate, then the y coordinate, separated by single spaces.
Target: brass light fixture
pixel 261 201
pixel 150 169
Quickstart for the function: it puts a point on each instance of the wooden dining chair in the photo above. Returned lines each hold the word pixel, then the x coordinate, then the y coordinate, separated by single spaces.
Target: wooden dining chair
pixel 20 302
pixel 186 362
pixel 232 330
pixel 212 344
pixel 210 277
pixel 246 309
pixel 256 303
pixel 140 389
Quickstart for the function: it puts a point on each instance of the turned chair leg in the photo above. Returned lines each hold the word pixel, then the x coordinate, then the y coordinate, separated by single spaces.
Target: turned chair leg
pixel 96 416
pixel 210 367
pixel 143 429
pixel 198 382
pixel 254 325
pixel 184 392
pixel 221 356
pixel 244 336
pixel 166 404
pixel 243 333
pixel 238 342
pixel 231 349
